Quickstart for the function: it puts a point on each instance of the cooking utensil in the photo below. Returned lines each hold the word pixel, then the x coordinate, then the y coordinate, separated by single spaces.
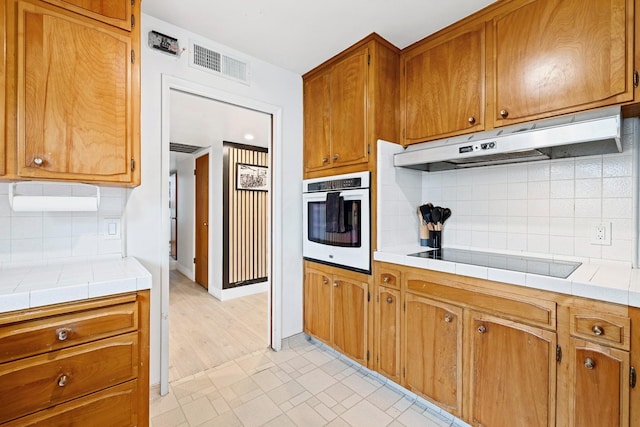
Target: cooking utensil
pixel 446 213
pixel 436 217
pixel 426 214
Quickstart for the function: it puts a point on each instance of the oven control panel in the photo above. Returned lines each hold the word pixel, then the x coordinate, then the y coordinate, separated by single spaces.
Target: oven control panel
pixel 477 147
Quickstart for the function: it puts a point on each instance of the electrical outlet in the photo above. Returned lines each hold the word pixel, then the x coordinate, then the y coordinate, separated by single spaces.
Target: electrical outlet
pixel 602 234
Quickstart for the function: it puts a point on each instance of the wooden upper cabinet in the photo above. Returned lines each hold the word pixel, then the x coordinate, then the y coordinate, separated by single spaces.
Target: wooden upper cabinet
pixel 350 318
pixel 335 113
pixel 512 373
pixel 348 109
pixel 317 304
pixel 599 392
pixel 433 351
pixel 558 56
pixel 75 97
pixel 3 73
pixel 112 12
pixel 442 85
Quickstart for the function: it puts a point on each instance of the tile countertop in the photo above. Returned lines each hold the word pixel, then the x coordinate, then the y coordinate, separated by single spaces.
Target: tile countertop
pixel 35 285
pixel 616 283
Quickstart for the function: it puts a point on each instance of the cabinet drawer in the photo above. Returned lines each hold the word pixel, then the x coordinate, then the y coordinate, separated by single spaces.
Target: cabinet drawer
pixel 28 338
pixel 606 329
pixel 115 407
pixel 43 381
pixel 389 278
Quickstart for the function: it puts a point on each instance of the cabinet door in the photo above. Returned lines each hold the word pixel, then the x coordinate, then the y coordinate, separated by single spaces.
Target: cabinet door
pixel 349 109
pixel 512 373
pixel 443 87
pixel 113 12
pixel 74 97
pixel 557 56
pixel 433 351
pixel 3 64
pixel 317 122
pixel 317 304
pixel 350 318
pixel 600 387
pixel 388 333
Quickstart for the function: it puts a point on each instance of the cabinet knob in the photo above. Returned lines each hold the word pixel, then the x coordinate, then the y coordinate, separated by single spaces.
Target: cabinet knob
pixel 205 224
pixel 589 363
pixel 62 381
pixel 335 284
pixel 504 114
pixel 448 318
pixel 597 330
pixel 325 281
pixel 38 161
pixel 389 300
pixel 63 334
pixel 471 120
pixel 385 279
pixel 482 329
pixel 335 157
pixel 325 159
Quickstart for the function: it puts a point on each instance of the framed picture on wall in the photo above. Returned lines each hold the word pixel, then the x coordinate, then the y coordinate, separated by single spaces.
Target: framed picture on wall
pixel 252 177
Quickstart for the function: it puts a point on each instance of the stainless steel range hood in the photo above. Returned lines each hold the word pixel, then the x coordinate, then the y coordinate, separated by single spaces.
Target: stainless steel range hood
pixel 583 134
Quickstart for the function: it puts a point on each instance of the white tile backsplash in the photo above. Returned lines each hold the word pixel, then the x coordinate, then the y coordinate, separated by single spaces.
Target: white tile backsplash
pixel 53 236
pixel 547 208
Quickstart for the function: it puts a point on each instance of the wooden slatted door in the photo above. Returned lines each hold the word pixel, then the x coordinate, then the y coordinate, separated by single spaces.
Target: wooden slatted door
pixel 202 221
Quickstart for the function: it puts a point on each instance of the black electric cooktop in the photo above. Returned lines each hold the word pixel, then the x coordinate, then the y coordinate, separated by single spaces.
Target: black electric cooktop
pixel 542 266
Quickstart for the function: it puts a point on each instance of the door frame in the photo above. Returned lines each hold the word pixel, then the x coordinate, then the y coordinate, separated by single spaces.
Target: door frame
pixel 275 259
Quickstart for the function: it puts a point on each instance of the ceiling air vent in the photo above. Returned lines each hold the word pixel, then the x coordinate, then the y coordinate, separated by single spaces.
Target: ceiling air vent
pixel 214 62
pixel 183 148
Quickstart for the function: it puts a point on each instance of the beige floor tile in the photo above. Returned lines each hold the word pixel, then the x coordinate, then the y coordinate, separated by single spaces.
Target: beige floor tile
pixel 334 367
pixel 361 385
pixel 266 380
pixel 199 411
pixel 244 386
pixel 302 397
pixel 228 394
pixel 316 381
pixel 326 399
pixel 364 414
pixel 228 419
pixel 255 362
pixel 170 418
pixel 191 385
pixel 161 404
pixel 281 421
pixel 226 375
pixel 299 362
pixel 415 418
pixel 339 392
pixel 352 400
pixel 339 409
pixel 318 357
pixel 257 411
pixel 281 375
pixel 305 415
pixel 325 411
pixel 285 406
pixel 313 401
pixel 338 422
pixel 220 405
pixel 384 398
pixel 286 392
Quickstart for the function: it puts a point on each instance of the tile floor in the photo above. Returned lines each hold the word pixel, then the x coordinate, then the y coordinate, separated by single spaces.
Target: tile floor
pixel 306 384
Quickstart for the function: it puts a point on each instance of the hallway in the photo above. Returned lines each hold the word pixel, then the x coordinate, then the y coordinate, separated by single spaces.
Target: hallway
pixel 205 332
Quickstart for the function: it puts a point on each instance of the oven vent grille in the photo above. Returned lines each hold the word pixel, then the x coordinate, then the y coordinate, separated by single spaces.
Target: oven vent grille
pixel 215 62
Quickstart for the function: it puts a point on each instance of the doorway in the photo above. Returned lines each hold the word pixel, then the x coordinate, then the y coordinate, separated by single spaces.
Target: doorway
pixel 274 311
pixel 202 221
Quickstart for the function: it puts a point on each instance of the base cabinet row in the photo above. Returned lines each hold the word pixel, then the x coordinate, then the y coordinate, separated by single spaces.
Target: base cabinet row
pixel 496 364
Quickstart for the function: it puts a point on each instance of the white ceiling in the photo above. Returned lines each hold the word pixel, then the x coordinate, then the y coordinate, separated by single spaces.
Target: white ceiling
pixel 298 35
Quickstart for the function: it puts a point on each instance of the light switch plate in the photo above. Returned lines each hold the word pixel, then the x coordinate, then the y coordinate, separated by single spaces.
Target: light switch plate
pixel 111 228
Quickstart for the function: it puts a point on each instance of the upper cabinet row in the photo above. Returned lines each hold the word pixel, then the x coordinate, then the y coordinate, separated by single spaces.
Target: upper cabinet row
pixel 350 101
pixel 518 61
pixel 512 62
pixel 72 107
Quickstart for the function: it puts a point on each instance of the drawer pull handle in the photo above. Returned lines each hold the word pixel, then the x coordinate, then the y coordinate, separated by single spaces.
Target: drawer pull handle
pixel 385 279
pixel 482 329
pixel 38 161
pixel 62 381
pixel 389 300
pixel 63 334
pixel 597 330
pixel 589 363
pixel 448 318
pixel 325 281
pixel 335 284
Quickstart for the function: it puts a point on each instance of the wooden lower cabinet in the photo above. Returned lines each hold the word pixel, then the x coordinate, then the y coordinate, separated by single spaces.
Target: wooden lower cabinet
pixel 599 388
pixel 388 332
pixel 432 344
pixel 336 309
pixel 81 363
pixel 511 372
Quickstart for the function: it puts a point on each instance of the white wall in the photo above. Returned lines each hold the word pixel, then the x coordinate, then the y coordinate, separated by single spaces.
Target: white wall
pixel 58 236
pixel 186 206
pixel 269 84
pixel 544 208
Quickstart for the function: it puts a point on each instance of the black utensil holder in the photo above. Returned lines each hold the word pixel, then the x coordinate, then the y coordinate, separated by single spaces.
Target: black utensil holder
pixel 435 239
